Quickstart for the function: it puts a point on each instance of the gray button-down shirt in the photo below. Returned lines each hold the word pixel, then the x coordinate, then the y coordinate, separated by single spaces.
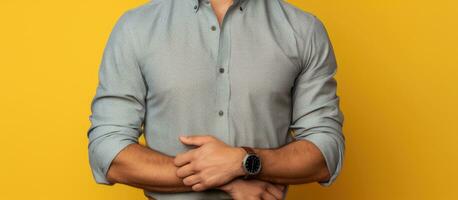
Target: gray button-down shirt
pixel 262 79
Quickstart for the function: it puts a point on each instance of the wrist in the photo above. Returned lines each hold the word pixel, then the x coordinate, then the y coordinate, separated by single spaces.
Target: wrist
pixel 239 171
pixel 229 187
pixel 251 164
pixel 226 187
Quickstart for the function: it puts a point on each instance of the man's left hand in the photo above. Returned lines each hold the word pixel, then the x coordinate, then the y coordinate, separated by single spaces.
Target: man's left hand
pixel 211 164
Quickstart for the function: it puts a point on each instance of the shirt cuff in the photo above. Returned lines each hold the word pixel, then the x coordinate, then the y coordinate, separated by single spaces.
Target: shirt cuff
pixel 103 150
pixel 332 150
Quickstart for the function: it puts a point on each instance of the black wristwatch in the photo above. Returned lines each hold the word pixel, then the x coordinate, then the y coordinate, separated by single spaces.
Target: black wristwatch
pixel 251 163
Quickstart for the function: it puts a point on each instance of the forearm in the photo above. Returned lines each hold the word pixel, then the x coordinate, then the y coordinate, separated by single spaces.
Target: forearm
pixel 295 163
pixel 144 168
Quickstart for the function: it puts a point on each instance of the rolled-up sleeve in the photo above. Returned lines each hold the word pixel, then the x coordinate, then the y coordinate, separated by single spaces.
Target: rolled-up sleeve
pixel 118 107
pixel 316 114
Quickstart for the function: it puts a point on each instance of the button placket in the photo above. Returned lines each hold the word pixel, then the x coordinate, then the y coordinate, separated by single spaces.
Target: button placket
pixel 222 73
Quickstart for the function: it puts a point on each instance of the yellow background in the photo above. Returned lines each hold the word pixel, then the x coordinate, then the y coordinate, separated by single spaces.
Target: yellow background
pixel 398 78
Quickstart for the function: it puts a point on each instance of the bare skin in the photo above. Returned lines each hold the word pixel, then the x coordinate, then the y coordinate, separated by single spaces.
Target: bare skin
pixel 253 189
pixel 144 168
pixel 220 8
pixel 213 163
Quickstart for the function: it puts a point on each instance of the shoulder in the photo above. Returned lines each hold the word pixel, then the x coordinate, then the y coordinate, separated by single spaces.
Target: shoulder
pixel 143 13
pixel 303 22
pixel 307 28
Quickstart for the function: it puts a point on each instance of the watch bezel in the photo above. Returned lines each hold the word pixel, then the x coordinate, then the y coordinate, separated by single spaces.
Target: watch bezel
pixel 245 159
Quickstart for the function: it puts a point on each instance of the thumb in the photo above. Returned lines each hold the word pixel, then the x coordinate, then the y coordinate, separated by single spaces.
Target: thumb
pixel 195 140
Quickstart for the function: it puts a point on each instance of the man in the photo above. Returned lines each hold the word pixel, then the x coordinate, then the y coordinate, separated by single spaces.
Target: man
pixel 236 99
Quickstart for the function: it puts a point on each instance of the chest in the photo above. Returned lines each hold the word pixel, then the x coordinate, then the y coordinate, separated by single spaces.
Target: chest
pixel 194 58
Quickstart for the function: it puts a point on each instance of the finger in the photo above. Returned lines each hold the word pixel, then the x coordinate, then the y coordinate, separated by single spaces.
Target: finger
pixel 185 171
pixel 267 196
pixel 191 180
pixel 198 187
pixel 196 140
pixel 280 186
pixel 184 158
pixel 275 191
pixel 226 186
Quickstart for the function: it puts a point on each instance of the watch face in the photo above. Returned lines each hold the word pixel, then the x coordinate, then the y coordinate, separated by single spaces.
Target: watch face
pixel 252 164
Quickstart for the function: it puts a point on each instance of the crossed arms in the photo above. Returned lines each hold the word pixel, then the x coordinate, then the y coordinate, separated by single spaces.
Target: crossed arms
pixel 213 164
pixel 118 112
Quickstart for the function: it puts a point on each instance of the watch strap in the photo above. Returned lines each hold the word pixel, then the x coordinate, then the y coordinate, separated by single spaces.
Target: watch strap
pixel 249 150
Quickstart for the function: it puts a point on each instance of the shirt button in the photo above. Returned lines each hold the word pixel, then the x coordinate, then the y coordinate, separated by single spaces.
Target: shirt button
pixel 221 113
pixel 213 28
pixel 221 70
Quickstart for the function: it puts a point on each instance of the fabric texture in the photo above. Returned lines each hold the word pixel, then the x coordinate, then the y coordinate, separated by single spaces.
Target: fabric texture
pixel 264 78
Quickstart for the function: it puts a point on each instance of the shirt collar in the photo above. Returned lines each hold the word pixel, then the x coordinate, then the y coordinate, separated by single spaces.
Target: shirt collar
pixel 197 3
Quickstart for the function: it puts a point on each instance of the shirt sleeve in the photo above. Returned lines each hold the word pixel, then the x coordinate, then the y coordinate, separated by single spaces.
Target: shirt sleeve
pixel 118 107
pixel 316 114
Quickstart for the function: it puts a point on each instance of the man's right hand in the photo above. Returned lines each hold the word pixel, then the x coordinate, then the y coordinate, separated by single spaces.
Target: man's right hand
pixel 253 190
